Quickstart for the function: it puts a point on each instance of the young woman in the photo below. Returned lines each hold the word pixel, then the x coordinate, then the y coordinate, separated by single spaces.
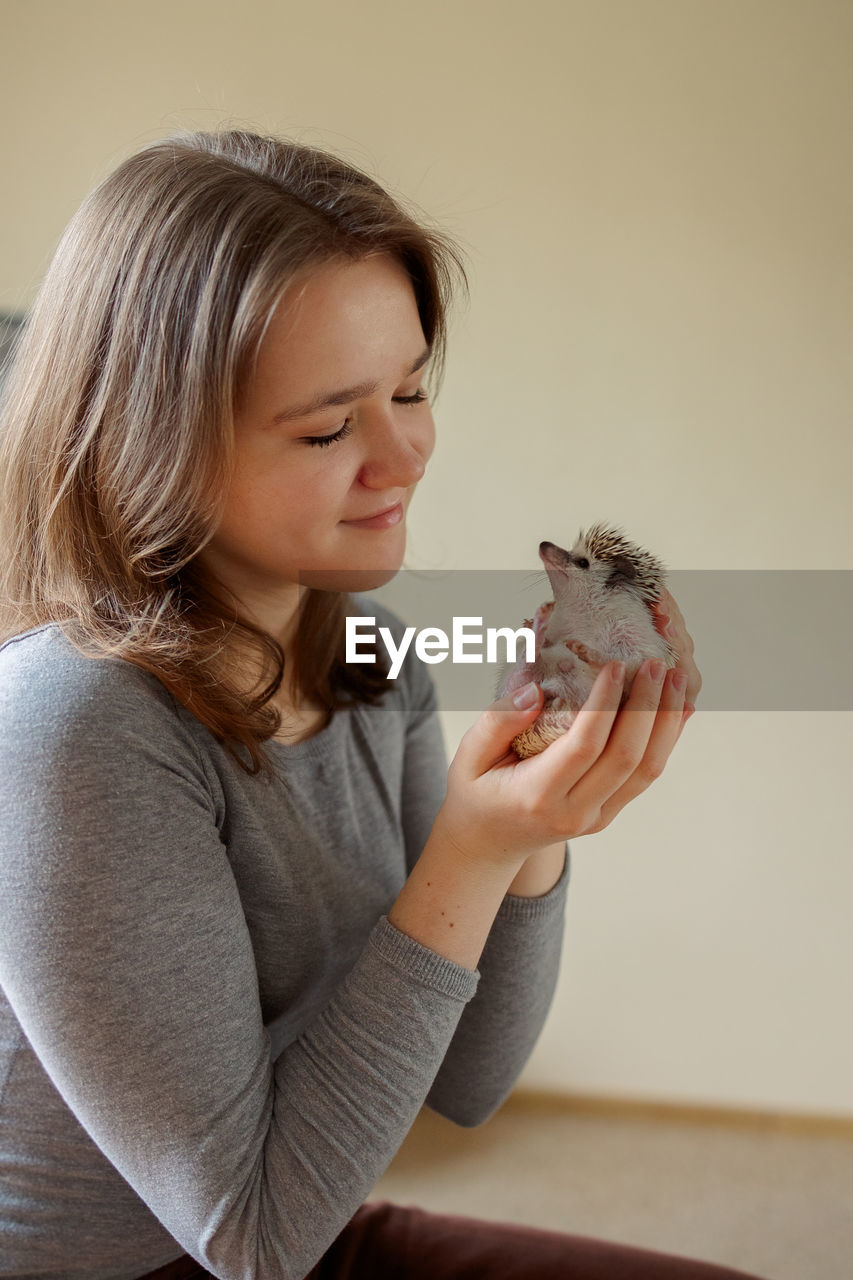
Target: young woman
pixel 250 924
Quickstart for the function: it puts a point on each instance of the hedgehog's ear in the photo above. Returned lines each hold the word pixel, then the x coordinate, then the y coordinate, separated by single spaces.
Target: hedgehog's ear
pixel 622 571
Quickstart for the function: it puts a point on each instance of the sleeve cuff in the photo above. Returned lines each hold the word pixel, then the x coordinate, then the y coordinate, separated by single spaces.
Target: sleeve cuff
pixel 517 908
pixel 425 966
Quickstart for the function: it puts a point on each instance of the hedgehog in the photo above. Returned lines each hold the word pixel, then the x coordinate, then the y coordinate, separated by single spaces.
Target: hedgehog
pixel 601 612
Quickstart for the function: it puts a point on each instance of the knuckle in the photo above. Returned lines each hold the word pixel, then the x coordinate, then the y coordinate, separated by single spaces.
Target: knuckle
pixel 538 809
pixel 625 759
pixel 536 814
pixel 531 808
pixel 593 823
pixel 587 751
pixel 650 770
pixel 557 828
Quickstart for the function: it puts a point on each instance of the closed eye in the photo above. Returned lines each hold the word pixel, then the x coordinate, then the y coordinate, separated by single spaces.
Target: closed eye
pixel 340 434
pixel 418 397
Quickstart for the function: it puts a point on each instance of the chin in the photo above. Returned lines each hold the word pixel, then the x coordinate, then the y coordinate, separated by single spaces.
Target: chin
pixel 347 579
pixel 364 571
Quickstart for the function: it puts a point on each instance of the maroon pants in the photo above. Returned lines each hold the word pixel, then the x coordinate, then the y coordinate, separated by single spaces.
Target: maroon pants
pixel 388 1242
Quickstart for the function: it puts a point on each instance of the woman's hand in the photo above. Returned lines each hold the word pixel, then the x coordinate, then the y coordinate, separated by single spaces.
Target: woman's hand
pixel 664 735
pixel 670 623
pixel 500 807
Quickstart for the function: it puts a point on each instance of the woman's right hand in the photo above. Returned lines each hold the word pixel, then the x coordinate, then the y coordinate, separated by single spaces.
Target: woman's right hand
pixel 503 809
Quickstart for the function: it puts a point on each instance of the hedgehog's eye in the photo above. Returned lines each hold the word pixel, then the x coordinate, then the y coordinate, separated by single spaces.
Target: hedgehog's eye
pixel 582 562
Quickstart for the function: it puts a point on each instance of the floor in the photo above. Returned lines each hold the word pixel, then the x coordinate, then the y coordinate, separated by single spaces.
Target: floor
pixel 774 1199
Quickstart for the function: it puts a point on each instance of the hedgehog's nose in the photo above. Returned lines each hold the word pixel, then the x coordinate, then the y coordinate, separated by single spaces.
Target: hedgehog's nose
pixel 553 557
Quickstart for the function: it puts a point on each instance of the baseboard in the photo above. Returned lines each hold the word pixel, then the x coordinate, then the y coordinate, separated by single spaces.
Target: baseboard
pixel 679 1112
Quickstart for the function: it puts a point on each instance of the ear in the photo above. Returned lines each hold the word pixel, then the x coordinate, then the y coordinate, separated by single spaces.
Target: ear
pixel 622 571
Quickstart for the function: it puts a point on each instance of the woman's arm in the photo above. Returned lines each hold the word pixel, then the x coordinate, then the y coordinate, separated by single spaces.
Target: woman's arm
pixel 127 960
pixel 500 1027
pixel 520 961
pixel 125 955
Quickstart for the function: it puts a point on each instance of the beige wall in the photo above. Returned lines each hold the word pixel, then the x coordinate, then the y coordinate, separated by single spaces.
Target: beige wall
pixel 657 202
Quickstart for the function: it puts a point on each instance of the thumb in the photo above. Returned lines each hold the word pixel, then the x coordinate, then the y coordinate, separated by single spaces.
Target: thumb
pixel 490 736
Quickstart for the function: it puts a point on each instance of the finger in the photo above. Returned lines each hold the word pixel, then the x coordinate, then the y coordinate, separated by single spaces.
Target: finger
pixel 668 725
pixel 669 604
pixel 565 761
pixel 670 624
pixel 629 738
pixel 489 739
pixel 664 734
pixel 661 619
pixel 694 681
pixel 661 605
pixel 680 641
pixel 689 710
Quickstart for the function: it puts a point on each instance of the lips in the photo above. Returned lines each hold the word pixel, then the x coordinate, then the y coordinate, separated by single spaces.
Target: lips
pixel 376 514
pixel 383 519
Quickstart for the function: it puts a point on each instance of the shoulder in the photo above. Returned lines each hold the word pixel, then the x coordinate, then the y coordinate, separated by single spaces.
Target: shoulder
pixel 58 703
pixel 42 673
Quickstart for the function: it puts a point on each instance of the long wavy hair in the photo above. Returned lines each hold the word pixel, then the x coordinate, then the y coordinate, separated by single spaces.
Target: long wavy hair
pixel 117 438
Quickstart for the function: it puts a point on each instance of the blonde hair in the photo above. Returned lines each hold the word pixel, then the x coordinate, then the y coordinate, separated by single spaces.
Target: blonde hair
pixel 117 437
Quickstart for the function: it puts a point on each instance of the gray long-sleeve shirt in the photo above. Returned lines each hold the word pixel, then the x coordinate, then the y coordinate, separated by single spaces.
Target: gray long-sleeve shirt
pixel 212 1040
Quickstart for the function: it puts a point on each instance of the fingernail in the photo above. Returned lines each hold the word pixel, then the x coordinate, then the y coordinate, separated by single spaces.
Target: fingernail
pixel 617 672
pixel 669 631
pixel 656 670
pixel 527 696
pixel 679 681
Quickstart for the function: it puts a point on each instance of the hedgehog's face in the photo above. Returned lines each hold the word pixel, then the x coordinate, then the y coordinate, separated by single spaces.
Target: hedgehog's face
pixel 581 572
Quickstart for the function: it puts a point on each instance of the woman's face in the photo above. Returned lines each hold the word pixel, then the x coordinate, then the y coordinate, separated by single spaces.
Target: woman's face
pixel 334 431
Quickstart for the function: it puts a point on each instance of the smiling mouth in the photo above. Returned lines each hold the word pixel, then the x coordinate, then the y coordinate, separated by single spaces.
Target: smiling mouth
pixel 388 516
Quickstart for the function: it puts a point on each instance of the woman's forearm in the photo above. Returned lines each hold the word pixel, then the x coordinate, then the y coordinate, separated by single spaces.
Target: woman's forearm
pixel 450 900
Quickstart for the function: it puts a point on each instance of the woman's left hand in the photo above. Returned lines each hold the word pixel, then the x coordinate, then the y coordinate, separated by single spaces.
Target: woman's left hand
pixel 670 623
pixel 665 730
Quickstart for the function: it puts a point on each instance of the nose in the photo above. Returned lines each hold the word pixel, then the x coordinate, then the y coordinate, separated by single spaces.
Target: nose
pixel 396 457
pixel 554 557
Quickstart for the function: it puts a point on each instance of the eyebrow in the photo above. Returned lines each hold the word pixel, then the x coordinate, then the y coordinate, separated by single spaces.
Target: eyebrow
pixel 326 400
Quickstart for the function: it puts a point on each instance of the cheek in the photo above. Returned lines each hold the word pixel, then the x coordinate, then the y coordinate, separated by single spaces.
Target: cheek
pixel 293 489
